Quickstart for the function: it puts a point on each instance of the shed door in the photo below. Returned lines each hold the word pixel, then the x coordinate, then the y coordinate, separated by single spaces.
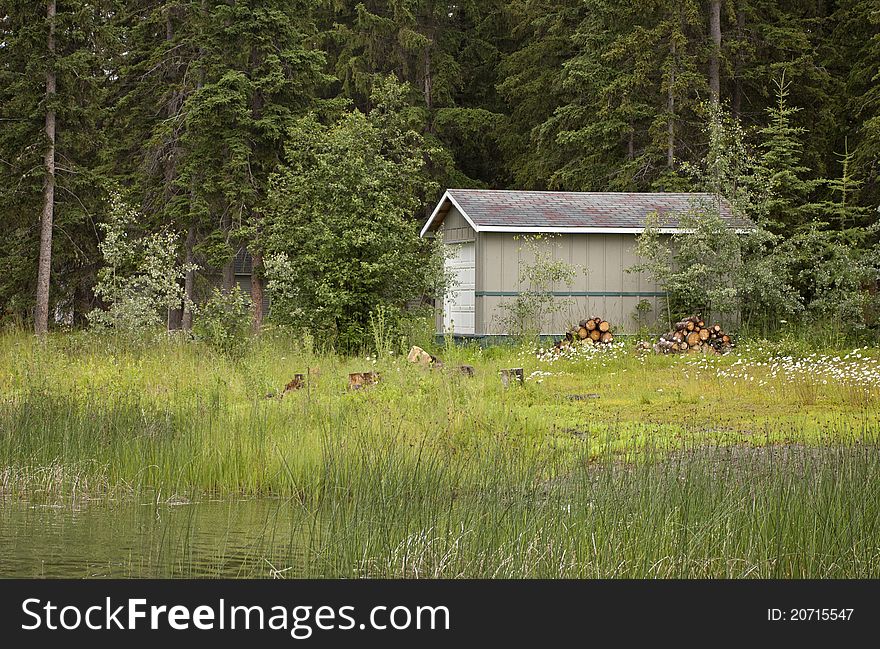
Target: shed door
pixel 458 305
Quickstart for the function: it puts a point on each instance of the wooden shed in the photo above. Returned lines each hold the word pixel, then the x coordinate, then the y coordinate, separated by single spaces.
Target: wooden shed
pixel 593 231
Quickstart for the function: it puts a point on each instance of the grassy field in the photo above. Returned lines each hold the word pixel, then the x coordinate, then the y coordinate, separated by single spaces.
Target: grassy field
pixel 757 463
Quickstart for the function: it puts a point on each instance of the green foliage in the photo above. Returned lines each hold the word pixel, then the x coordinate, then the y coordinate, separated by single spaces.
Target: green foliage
pixel 340 236
pixel 188 104
pixel 710 268
pixel 835 275
pixel 83 48
pixel 224 322
pixel 140 279
pixel 788 188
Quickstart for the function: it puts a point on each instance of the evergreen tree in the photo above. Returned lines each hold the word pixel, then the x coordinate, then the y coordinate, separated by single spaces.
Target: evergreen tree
pixel 634 86
pixel 52 85
pixel 789 190
pixel 159 69
pixel 447 54
pixel 855 49
pixel 260 72
pixel 530 80
pixel 208 92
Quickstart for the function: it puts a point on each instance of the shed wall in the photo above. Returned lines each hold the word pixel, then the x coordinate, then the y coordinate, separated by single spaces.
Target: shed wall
pixel 455 229
pixel 601 287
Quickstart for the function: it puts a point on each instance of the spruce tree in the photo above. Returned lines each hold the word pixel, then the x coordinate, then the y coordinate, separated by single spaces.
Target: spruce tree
pixel 258 72
pixel 789 189
pixel 52 88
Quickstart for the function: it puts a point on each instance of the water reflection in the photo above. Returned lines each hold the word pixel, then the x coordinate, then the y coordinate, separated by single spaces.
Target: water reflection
pixel 245 538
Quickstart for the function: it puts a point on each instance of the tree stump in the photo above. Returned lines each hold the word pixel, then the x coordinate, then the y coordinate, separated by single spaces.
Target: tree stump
pixel 467 370
pixel 512 377
pixel 298 382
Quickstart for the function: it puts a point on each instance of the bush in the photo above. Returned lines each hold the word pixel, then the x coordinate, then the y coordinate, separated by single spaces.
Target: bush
pixel 141 277
pixel 224 322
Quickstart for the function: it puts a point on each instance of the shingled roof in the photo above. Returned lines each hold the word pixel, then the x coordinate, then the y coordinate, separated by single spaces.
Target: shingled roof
pixel 489 210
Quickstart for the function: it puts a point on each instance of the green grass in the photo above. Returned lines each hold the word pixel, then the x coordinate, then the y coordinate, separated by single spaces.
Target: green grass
pixel 682 466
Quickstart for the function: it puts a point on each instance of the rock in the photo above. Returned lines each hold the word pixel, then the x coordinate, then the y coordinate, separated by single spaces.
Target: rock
pixel 421 357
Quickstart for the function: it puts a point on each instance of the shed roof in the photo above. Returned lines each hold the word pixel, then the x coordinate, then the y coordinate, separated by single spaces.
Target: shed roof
pixel 490 210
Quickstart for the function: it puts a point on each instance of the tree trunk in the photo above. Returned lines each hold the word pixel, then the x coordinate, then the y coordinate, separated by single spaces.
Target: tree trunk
pixel 737 70
pixel 428 88
pixel 256 217
pixel 670 107
pixel 715 58
pixel 41 312
pixel 189 280
pixel 257 291
pixel 175 316
pixel 229 266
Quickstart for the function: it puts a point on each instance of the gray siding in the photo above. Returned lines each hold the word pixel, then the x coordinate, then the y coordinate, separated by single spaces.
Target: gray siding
pixel 601 287
pixel 455 227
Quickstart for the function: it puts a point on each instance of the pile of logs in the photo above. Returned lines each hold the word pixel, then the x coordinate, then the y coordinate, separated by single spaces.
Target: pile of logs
pixel 692 335
pixel 592 331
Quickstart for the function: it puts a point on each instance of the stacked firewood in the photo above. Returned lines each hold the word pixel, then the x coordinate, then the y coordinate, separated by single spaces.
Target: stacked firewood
pixel 693 335
pixel 592 331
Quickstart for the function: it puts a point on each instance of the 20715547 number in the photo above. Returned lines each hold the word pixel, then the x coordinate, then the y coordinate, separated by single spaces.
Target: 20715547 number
pixel 809 614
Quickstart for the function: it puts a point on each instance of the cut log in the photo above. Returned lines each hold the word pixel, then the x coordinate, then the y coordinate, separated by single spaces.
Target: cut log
pixel 583 333
pixel 512 376
pixel 604 326
pixel 704 334
pixel 606 338
pixel 693 339
pixel 595 334
pixel 590 325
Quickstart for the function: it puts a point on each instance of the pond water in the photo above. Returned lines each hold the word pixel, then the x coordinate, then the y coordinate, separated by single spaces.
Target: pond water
pixel 241 538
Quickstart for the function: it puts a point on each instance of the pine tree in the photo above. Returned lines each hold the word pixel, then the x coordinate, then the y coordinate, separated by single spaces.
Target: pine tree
pixel 856 57
pixel 446 53
pixel 634 86
pixel 159 69
pixel 52 84
pixel 789 190
pixel 530 79
pixel 208 92
pixel 259 72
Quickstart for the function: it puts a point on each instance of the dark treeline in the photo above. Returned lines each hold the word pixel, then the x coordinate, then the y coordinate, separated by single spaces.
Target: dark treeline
pixel 186 106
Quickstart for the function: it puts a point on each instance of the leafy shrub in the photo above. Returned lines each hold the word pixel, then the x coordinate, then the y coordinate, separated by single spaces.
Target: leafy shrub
pixel 141 278
pixel 524 316
pixel 340 239
pixel 224 322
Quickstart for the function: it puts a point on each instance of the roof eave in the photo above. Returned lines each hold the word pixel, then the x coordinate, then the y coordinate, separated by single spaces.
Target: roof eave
pixel 447 196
